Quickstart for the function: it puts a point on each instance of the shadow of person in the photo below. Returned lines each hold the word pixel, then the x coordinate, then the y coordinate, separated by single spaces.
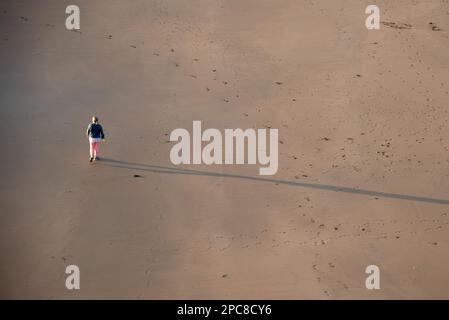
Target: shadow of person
pixel 181 171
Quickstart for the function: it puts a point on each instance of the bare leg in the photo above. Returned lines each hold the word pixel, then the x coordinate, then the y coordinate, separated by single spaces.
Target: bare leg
pixel 96 146
pixel 92 149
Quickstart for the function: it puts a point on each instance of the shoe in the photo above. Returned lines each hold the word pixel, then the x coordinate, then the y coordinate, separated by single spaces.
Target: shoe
pixel 96 158
pixel 91 159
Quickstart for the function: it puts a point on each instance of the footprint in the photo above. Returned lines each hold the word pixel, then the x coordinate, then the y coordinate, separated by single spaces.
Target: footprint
pixel 434 27
pixel 397 25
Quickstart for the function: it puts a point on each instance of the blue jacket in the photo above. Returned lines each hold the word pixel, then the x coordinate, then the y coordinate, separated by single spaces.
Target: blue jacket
pixel 94 130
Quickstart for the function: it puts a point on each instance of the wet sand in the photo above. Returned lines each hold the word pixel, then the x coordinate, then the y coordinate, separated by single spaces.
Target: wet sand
pixel 363 154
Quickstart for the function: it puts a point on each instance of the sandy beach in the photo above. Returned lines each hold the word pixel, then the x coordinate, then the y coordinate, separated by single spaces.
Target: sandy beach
pixel 363 126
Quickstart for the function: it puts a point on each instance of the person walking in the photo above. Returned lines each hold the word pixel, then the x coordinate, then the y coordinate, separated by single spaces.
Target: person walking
pixel 95 135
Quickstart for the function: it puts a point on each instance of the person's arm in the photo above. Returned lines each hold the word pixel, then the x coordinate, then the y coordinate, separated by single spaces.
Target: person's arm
pixel 101 133
pixel 88 129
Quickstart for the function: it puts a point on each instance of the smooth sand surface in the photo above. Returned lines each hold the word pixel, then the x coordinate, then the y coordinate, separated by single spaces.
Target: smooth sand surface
pixel 359 109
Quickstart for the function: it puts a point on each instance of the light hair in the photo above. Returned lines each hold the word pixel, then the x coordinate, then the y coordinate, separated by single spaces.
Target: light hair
pixel 95 119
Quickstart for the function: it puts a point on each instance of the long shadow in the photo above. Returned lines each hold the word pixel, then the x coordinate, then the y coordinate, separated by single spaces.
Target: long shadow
pixel 327 187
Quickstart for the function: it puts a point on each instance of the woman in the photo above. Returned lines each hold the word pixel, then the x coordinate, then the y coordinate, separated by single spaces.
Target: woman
pixel 95 135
